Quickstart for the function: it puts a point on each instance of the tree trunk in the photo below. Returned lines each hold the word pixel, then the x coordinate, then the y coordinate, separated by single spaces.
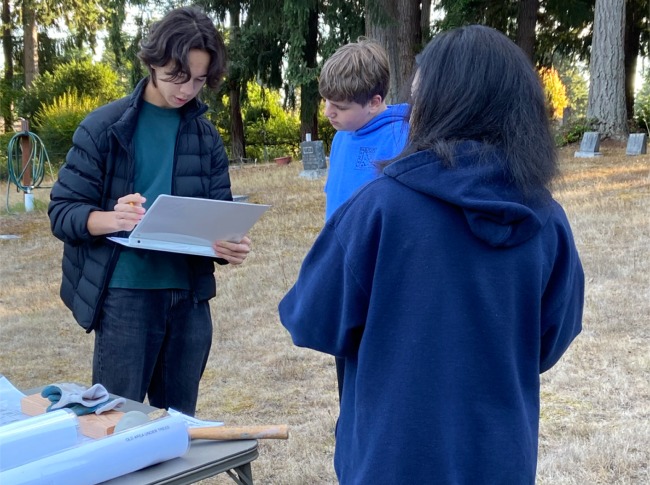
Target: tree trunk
pixel 526 22
pixel 7 40
pixel 396 26
pixel 7 47
pixel 425 21
pixel 309 97
pixel 30 43
pixel 309 103
pixel 237 136
pixel 606 70
pixel 633 23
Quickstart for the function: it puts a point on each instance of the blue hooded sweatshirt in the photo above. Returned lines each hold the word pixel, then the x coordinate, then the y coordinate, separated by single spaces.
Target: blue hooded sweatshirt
pixel 354 153
pixel 447 295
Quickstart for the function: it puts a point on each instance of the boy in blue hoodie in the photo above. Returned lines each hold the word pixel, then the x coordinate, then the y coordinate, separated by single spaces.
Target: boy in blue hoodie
pixel 354 82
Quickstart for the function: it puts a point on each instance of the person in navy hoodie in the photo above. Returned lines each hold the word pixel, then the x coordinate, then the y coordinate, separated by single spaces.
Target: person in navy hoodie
pixel 354 82
pixel 450 283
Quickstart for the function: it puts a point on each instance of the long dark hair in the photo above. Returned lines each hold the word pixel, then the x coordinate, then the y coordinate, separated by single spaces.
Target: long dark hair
pixel 473 83
pixel 172 38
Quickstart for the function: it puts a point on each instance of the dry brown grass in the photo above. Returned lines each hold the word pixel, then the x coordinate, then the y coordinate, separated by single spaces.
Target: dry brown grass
pixel 595 424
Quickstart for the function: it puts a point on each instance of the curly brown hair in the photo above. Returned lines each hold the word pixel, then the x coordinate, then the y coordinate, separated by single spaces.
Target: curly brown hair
pixel 172 38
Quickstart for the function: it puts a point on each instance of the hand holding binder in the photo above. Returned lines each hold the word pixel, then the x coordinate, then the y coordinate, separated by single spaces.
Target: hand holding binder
pixel 192 225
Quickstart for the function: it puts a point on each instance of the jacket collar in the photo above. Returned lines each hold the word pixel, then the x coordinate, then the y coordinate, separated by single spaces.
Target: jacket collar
pixel 125 126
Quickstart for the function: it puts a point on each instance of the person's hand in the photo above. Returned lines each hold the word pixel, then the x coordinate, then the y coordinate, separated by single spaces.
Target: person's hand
pixel 129 211
pixel 234 253
pixel 124 217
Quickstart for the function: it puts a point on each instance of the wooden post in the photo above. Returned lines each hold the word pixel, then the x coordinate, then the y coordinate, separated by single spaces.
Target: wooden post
pixel 26 148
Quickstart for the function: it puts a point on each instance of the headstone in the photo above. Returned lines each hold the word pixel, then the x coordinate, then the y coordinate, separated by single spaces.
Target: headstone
pixel 637 144
pixel 313 159
pixel 589 145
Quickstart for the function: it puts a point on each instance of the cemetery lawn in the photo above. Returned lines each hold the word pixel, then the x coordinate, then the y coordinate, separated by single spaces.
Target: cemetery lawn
pixel 595 411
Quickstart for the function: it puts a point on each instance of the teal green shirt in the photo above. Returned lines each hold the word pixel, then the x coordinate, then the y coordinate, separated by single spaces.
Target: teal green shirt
pixel 154 145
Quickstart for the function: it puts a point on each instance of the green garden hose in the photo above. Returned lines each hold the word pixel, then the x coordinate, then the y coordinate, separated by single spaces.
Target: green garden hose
pixel 36 164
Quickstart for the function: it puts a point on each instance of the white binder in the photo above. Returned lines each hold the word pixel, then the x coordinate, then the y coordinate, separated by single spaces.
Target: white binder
pixel 190 225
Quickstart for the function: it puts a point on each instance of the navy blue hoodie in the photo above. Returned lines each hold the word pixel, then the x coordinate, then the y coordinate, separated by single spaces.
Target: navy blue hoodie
pixel 447 295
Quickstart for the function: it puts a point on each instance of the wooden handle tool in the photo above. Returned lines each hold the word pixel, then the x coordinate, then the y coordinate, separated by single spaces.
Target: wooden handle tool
pixel 280 432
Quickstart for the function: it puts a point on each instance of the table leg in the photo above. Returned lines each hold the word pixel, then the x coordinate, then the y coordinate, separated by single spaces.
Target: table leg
pixel 242 475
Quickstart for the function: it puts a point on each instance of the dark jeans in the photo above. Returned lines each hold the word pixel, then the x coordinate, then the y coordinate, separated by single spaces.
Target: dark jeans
pixel 153 342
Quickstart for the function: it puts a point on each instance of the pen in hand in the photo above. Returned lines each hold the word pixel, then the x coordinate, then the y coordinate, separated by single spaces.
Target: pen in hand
pixel 128 212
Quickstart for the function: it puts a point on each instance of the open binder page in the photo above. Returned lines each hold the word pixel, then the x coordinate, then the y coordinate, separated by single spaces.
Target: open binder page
pixel 191 225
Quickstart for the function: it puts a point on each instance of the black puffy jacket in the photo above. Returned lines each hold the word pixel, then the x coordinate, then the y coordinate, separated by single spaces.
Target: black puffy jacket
pixel 99 169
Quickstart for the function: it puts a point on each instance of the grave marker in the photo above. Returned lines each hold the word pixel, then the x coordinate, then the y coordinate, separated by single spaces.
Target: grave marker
pixel 637 144
pixel 313 159
pixel 589 145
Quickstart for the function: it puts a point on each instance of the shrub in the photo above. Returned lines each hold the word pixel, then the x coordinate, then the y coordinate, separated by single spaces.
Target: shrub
pixel 58 120
pixel 83 77
pixel 326 131
pixel 4 144
pixel 573 131
pixel 642 106
pixel 573 74
pixel 270 130
pixel 8 93
pixel 555 90
pixel 268 126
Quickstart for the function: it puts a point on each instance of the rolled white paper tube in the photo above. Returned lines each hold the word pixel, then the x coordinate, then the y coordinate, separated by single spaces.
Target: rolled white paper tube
pixel 37 437
pixel 106 458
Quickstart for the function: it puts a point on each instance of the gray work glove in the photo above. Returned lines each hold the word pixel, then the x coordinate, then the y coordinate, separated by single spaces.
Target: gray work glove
pixel 79 399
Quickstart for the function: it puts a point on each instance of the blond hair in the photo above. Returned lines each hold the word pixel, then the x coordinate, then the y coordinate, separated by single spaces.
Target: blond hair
pixel 355 72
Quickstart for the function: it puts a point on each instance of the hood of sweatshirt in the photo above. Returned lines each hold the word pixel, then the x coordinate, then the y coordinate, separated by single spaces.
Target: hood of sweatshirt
pixel 494 208
pixel 393 113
